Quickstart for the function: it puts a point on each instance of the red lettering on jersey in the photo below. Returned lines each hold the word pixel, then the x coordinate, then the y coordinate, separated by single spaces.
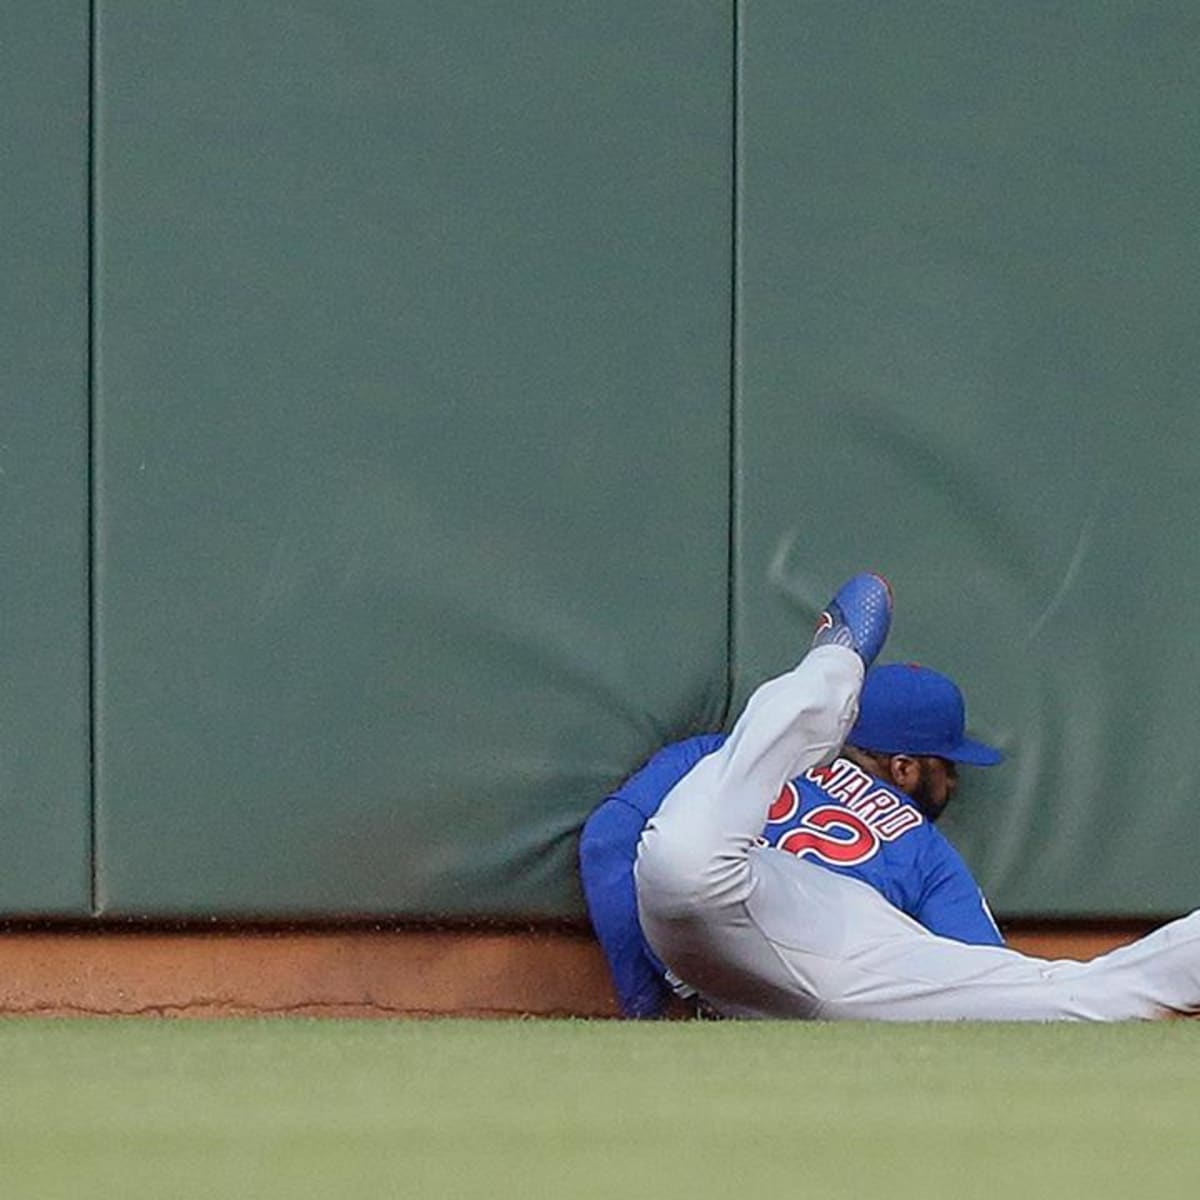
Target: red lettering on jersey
pixel 786 804
pixel 833 834
pixel 850 786
pixel 847 835
pixel 901 821
pixel 874 804
pixel 822 776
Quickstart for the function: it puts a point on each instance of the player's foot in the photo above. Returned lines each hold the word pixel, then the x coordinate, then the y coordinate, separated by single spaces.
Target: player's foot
pixel 858 617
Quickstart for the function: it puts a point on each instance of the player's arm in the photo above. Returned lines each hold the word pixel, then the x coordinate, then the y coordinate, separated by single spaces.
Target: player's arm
pixel 607 853
pixel 951 904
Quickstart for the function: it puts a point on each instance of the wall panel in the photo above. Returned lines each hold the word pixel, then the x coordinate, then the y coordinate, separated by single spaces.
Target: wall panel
pixel 969 358
pixel 45 802
pixel 413 441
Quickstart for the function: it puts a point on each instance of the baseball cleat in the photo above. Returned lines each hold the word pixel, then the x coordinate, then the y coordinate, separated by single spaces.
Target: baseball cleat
pixel 858 617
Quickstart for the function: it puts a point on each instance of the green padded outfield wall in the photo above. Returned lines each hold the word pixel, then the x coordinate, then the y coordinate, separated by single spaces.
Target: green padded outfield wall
pixel 412 441
pixel 969 355
pixel 414 412
pixel 45 804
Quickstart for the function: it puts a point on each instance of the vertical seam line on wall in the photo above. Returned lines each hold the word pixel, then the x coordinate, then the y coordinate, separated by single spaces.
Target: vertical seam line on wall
pixel 735 264
pixel 91 503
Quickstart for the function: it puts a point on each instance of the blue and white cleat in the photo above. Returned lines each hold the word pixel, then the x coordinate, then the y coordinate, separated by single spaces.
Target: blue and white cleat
pixel 858 617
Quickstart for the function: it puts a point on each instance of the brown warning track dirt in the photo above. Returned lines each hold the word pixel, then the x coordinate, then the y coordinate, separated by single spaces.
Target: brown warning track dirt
pixel 352 972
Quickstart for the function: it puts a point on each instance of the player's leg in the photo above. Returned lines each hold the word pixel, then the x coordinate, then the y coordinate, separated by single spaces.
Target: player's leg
pixel 696 861
pixel 789 725
pixel 862 959
pixel 1157 974
pixel 710 818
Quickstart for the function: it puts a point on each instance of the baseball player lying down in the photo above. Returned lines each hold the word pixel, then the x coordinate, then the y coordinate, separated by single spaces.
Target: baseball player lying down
pixel 774 873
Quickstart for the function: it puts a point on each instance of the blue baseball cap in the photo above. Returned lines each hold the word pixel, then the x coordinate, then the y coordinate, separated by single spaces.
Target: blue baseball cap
pixel 909 709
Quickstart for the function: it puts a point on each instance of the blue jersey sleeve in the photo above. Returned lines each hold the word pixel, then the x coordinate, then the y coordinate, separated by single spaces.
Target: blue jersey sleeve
pixel 951 903
pixel 607 853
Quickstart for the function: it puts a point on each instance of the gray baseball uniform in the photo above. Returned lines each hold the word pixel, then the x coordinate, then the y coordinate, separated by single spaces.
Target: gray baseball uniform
pixel 761 933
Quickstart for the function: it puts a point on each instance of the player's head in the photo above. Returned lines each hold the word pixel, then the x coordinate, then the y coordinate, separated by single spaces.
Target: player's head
pixel 912 726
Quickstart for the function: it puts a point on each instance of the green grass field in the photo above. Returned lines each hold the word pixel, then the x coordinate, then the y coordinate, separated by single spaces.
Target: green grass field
pixel 346 1109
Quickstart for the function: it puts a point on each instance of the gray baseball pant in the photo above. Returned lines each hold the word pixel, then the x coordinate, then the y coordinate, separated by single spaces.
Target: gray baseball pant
pixel 762 933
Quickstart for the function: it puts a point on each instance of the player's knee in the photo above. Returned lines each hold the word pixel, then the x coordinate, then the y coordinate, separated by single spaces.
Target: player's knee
pixel 680 879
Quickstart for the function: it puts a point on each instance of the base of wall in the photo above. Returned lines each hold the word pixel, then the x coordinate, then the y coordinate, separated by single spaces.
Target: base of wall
pixel 353 973
pixel 332 973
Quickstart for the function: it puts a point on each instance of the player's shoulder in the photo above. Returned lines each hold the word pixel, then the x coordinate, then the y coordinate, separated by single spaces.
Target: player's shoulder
pixel 646 788
pixel 696 746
